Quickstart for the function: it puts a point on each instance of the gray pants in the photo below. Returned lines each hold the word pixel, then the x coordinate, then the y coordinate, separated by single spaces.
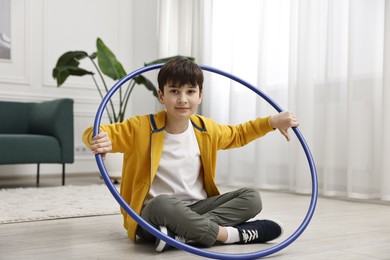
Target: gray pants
pixel 200 222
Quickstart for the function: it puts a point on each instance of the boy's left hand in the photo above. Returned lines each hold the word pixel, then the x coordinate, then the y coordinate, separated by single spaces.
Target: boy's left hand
pixel 283 121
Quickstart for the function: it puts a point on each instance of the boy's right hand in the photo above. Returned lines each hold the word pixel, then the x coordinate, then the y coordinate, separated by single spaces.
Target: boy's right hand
pixel 101 143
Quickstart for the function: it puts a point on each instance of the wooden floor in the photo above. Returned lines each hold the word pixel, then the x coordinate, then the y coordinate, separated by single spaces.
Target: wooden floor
pixel 340 229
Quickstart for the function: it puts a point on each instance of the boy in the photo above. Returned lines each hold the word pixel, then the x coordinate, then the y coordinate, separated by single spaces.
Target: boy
pixel 169 166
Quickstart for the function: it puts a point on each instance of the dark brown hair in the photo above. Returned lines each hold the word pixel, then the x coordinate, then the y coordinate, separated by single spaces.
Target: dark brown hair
pixel 178 72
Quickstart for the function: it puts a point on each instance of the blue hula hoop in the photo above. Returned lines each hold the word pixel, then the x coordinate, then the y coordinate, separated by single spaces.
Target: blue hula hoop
pixel 173 242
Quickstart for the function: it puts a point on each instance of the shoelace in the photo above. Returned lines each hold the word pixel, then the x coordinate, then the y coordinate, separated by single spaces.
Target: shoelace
pixel 180 239
pixel 249 235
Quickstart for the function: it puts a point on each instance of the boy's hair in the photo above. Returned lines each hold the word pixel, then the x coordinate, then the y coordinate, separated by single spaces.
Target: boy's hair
pixel 178 72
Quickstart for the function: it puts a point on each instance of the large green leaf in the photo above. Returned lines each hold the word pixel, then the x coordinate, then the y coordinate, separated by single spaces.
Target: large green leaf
pixel 108 63
pixel 141 80
pixel 163 60
pixel 68 64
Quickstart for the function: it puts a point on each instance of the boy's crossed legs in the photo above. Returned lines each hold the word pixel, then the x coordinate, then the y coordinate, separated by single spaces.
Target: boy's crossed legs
pixel 220 218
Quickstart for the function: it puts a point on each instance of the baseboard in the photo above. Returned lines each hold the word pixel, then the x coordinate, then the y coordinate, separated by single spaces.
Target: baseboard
pixel 15 177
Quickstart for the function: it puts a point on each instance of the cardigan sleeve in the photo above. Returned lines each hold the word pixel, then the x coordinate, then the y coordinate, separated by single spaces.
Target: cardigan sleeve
pixel 228 136
pixel 121 134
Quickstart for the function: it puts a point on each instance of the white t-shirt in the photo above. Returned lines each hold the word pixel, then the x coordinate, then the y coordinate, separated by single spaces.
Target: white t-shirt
pixel 179 171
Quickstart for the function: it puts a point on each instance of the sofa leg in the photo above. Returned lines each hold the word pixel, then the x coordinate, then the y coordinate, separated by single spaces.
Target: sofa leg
pixel 38 175
pixel 63 174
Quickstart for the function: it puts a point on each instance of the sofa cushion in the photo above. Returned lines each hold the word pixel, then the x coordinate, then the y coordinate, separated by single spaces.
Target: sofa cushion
pixel 26 148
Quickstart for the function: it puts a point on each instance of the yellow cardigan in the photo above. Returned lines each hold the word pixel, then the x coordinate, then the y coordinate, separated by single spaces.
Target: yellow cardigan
pixel 141 140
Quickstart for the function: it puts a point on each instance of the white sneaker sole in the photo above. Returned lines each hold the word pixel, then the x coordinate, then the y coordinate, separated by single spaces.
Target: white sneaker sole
pixel 161 245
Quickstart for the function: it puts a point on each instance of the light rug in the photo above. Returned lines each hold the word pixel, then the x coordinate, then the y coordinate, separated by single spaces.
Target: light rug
pixel 32 204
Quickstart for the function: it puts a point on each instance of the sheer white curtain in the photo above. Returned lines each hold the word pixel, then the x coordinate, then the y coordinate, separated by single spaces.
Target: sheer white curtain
pixel 184 28
pixel 324 60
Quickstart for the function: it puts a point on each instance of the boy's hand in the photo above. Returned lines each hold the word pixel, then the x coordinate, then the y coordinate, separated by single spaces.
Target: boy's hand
pixel 101 143
pixel 283 121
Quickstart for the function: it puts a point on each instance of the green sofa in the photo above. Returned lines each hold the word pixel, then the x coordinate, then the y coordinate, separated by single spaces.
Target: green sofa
pixel 35 133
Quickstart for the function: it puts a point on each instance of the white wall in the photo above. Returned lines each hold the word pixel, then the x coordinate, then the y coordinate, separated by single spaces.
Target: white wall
pixel 42 30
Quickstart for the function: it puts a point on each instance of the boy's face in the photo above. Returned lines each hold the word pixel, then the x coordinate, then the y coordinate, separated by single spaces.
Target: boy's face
pixel 180 101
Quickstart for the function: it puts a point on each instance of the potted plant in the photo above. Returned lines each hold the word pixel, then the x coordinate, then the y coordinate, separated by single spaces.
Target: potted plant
pixel 108 65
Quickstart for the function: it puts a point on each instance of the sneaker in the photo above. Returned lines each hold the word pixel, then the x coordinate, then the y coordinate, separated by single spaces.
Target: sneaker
pixel 161 245
pixel 259 231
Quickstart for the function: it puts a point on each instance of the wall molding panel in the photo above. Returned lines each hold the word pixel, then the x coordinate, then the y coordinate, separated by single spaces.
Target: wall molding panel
pixel 15 70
